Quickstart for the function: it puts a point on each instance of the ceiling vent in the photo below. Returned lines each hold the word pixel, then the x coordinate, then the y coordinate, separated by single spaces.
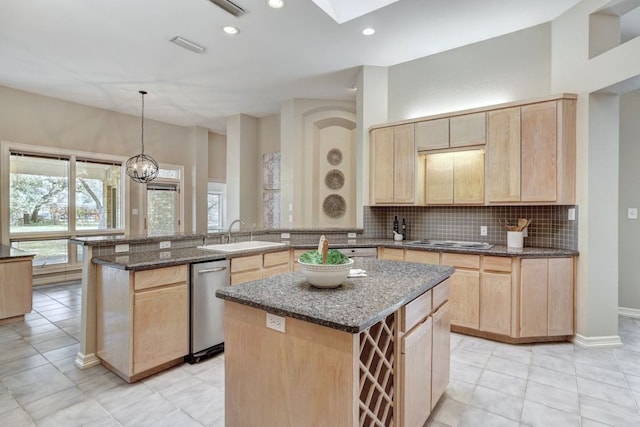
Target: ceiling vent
pixel 229 6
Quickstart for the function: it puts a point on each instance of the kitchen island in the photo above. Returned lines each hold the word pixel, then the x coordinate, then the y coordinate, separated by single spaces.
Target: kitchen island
pixel 374 350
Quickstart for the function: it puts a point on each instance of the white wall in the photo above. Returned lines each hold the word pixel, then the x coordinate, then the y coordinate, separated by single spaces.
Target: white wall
pixel 373 107
pixel 242 169
pixel 217 157
pixel 629 234
pixel 507 68
pixel 28 118
pixel 597 160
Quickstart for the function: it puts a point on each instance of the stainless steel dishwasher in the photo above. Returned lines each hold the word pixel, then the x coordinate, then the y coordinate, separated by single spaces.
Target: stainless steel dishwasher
pixel 207 311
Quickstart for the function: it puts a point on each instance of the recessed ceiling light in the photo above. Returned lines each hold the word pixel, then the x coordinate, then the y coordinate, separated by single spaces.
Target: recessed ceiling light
pixel 276 4
pixel 230 29
pixel 368 31
pixel 188 44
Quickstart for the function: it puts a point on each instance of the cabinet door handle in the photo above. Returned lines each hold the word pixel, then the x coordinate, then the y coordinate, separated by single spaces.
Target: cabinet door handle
pixel 438 314
pixel 212 270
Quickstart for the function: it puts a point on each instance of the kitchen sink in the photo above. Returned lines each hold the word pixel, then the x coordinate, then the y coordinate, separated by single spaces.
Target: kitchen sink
pixel 452 244
pixel 242 246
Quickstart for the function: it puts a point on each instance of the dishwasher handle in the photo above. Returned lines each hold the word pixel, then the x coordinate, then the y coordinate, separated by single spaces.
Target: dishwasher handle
pixel 212 270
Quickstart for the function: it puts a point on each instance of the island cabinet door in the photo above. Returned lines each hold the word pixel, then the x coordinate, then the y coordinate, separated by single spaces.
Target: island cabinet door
pixel 415 360
pixel 441 352
pixel 160 326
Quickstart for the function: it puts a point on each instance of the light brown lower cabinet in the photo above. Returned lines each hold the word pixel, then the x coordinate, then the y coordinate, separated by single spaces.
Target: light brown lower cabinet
pixel 547 297
pixel 391 254
pixel 415 363
pixel 441 351
pixel 274 263
pixel 512 299
pixel 16 289
pixel 142 319
pixel 259 266
pixel 465 289
pixel 496 295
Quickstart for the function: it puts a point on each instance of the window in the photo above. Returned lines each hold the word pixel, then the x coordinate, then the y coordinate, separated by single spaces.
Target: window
pixel 216 200
pixel 214 211
pixel 98 195
pixel 55 197
pixel 38 194
pixel 162 208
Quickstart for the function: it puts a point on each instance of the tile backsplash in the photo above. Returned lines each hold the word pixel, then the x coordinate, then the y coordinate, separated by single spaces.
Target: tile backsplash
pixel 549 227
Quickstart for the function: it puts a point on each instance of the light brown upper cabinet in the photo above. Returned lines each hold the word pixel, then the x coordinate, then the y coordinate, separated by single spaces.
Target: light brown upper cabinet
pixel 503 155
pixel 530 156
pixel 468 129
pixel 531 153
pixel 454 178
pixel 393 164
pixel 439 179
pixel 458 131
pixel 432 134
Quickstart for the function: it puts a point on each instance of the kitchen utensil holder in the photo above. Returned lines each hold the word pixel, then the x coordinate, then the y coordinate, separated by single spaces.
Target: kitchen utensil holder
pixel 515 239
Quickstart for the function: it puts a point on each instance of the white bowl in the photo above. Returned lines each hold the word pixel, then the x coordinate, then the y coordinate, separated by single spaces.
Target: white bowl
pixel 325 275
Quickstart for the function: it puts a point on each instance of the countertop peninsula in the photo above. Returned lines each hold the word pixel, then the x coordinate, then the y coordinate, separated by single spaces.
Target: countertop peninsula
pixel 8 252
pixel 352 307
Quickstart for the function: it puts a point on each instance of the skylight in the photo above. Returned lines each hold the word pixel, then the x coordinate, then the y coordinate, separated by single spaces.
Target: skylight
pixel 346 10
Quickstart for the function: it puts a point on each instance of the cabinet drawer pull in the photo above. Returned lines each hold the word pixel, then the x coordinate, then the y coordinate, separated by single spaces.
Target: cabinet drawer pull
pixel 212 270
pixel 438 314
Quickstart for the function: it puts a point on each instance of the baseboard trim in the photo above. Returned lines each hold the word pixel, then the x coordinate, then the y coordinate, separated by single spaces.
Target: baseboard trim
pixel 597 342
pixel 85 361
pixel 629 312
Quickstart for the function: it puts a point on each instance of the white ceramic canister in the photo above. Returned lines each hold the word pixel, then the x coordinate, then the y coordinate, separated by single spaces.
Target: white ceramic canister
pixel 515 239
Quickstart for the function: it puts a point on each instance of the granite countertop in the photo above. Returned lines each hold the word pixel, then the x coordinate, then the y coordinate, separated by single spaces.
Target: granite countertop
pixel 498 250
pixel 7 252
pixel 352 307
pixel 157 259
pixel 116 239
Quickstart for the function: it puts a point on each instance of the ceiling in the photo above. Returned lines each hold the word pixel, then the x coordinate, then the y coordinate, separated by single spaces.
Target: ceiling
pixel 100 53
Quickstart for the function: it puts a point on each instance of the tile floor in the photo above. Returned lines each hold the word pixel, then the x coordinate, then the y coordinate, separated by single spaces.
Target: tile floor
pixel 491 384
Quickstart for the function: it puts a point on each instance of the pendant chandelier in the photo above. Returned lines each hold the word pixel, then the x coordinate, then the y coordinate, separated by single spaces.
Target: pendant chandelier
pixel 142 168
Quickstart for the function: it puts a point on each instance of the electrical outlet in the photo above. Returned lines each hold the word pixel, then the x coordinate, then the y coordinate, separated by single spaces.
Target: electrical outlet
pixel 351 235
pixel 483 230
pixel 571 214
pixel 285 235
pixel 275 322
pixel 632 213
pixel 122 248
pixel 165 245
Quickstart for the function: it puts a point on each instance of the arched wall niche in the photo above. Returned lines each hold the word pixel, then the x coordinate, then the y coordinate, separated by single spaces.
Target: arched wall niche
pixel 329 195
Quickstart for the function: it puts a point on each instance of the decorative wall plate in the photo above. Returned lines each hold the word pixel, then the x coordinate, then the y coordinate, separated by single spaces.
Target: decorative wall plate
pixel 334 179
pixel 334 206
pixel 334 157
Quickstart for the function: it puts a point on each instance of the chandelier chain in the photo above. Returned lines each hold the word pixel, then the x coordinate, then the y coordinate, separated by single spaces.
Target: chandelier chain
pixel 143 93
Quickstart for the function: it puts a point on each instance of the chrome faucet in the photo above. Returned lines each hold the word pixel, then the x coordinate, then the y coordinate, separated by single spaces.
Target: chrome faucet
pixel 231 226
